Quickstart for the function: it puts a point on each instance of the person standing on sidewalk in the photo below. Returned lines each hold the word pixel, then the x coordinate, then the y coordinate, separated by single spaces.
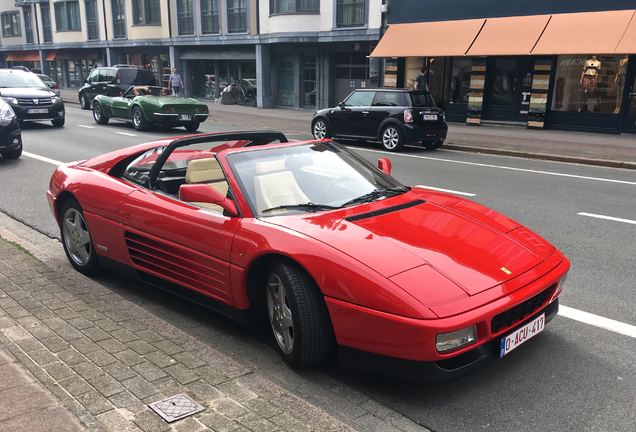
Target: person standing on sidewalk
pixel 176 83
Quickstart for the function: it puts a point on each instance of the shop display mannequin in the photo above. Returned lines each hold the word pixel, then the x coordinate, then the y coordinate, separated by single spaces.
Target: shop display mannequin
pixel 619 80
pixel 589 79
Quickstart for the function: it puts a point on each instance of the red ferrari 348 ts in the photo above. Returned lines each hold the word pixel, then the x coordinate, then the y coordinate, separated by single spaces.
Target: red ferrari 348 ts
pixel 335 252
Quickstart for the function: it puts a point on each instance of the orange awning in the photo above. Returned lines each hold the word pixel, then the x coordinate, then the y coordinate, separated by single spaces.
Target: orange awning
pixel 509 35
pixel 19 56
pixel 584 33
pixel 50 56
pixel 428 39
pixel 627 45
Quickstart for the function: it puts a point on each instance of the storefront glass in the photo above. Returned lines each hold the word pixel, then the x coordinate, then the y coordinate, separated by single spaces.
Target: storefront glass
pixel 286 84
pixel 309 81
pixel 460 80
pixel 589 83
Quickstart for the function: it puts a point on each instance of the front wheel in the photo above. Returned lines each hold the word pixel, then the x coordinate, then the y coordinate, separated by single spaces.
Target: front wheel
pixel 192 126
pixel 12 154
pixel 76 239
pixel 58 122
pixel 298 316
pixel 320 129
pixel 392 139
pixel 138 119
pixel 99 115
pixel 84 104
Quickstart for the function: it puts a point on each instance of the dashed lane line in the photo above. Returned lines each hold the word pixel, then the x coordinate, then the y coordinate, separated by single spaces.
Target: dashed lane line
pixel 610 218
pixel 447 190
pixel 42 158
pixel 126 133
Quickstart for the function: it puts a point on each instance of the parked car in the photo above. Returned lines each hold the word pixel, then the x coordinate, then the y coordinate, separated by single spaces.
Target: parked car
pixel 394 117
pixel 30 98
pixel 50 83
pixel 310 236
pixel 10 136
pixel 145 106
pixel 113 80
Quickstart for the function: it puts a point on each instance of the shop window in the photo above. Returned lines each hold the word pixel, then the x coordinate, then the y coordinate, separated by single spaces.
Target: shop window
pixel 589 83
pixel 460 81
pixel 293 6
pixel 185 18
pixel 146 12
pixel 28 27
pixel 67 17
pixel 350 13
pixel 92 26
pixel 11 24
pixel 309 81
pixel 237 16
pixel 210 22
pixel 47 33
pixel 119 19
pixel 286 84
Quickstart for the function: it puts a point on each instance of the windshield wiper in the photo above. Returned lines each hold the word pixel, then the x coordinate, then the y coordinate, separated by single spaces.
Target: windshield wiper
pixel 308 206
pixel 375 194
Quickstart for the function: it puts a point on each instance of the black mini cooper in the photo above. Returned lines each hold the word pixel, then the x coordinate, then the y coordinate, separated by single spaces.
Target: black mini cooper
pixel 394 117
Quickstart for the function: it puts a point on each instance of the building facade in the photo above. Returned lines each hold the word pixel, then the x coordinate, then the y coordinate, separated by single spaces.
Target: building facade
pixel 543 64
pixel 301 53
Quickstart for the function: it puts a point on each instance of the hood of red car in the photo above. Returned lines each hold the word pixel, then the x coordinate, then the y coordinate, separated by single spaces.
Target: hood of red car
pixel 394 239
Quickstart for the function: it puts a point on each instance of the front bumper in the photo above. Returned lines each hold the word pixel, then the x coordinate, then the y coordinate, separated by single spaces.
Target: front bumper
pixel 10 136
pixel 425 133
pixel 50 112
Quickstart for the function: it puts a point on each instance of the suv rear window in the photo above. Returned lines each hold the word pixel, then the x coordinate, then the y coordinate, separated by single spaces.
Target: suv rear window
pixel 136 77
pixel 421 99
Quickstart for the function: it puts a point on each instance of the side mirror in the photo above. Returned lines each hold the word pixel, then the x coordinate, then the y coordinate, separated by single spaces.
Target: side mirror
pixel 342 105
pixel 384 165
pixel 202 193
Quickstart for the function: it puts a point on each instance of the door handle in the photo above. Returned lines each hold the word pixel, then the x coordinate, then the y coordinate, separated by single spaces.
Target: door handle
pixel 366 112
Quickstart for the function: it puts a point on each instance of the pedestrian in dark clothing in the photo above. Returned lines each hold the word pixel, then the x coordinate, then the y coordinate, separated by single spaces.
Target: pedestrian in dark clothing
pixel 421 81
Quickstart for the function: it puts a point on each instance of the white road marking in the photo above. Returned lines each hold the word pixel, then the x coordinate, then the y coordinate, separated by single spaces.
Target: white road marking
pixel 42 158
pixel 552 173
pixel 126 133
pixel 611 218
pixel 86 126
pixel 598 321
pixel 447 190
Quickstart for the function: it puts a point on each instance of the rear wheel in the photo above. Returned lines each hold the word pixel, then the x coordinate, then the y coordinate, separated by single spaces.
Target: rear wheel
pixel 99 115
pixel 392 139
pixel 58 122
pixel 138 119
pixel 12 154
pixel 298 316
pixel 320 129
pixel 76 238
pixel 192 126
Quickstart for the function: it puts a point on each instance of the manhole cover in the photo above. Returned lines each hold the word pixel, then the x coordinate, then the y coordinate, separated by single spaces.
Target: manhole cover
pixel 176 407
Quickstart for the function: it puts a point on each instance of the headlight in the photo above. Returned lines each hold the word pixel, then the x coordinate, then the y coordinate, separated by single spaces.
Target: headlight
pixel 457 339
pixel 55 99
pixel 6 114
pixel 11 100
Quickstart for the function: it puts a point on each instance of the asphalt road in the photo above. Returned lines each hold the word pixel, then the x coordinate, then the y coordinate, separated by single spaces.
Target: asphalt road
pixel 573 377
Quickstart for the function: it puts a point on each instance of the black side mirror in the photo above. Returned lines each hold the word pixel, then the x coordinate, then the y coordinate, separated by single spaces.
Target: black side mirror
pixel 342 105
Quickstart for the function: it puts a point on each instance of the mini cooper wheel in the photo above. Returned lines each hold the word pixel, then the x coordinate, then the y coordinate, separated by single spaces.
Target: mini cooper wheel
pixel 192 126
pixel 298 317
pixel 138 119
pixel 99 115
pixel 84 104
pixel 392 139
pixel 320 129
pixel 76 239
pixel 12 154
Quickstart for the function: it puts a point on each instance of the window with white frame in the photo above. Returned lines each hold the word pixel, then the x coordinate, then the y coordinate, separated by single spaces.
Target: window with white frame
pixel 185 17
pixel 67 16
pixel 293 6
pixel 146 12
pixel 236 16
pixel 11 24
pixel 210 17
pixel 350 13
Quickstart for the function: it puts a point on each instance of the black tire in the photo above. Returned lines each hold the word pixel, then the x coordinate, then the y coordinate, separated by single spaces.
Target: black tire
pixel 138 119
pixel 433 145
pixel 318 131
pixel 192 126
pixel 58 122
pixel 12 154
pixel 313 339
pixel 392 138
pixel 91 266
pixel 84 103
pixel 99 115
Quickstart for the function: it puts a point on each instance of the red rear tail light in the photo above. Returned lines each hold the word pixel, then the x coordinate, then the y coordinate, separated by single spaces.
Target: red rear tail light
pixel 408 116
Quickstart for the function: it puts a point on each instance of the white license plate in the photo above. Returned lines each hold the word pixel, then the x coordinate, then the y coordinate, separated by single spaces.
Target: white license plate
pixel 429 116
pixel 184 116
pixel 521 335
pixel 37 111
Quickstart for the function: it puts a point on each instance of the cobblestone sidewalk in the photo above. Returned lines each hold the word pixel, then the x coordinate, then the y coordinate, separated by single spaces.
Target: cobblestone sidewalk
pixel 106 358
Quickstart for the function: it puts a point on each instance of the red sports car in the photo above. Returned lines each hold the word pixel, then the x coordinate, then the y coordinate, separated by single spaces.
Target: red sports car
pixel 335 252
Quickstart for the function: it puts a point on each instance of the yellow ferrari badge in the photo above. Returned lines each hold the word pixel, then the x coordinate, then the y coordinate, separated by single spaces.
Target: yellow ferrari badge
pixel 505 270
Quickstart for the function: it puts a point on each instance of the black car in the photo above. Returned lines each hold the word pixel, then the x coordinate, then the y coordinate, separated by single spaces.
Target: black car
pixel 394 117
pixel 10 137
pixel 113 81
pixel 30 98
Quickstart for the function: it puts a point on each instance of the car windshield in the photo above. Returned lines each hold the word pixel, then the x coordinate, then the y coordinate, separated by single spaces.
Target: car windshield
pixel 16 78
pixel 136 77
pixel 421 98
pixel 308 177
pixel 45 78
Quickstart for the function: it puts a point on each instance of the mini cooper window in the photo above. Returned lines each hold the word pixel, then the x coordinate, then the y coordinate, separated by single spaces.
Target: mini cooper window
pixel 360 98
pixel 309 177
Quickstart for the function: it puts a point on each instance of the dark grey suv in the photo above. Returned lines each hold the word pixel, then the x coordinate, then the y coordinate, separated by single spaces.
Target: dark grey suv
pixel 393 117
pixel 113 81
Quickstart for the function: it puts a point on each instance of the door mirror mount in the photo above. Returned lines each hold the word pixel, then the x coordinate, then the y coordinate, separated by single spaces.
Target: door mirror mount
pixel 203 193
pixel 384 165
pixel 342 105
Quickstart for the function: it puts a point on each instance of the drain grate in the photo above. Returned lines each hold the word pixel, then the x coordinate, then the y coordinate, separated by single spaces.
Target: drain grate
pixel 176 407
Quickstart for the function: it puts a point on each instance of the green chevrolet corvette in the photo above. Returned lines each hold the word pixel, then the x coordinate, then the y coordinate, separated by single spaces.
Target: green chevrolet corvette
pixel 144 106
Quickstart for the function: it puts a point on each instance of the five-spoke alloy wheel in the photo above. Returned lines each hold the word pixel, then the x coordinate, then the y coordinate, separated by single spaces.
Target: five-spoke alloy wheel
pixel 76 238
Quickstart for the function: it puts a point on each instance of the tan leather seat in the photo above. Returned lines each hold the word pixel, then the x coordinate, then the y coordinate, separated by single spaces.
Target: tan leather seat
pixel 276 189
pixel 207 171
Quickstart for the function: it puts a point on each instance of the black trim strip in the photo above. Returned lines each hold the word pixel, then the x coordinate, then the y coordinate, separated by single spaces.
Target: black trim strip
pixel 384 210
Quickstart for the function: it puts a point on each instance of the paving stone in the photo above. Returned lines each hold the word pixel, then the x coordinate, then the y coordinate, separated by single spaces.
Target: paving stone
pixel 71 357
pixel 235 391
pixel 111 345
pixel 84 345
pixel 128 401
pixel 257 423
pixel 218 422
pixel 42 357
pixel 55 344
pixel 229 408
pixel 406 425
pixel 150 421
pixel 6 322
pixel 168 347
pixel 203 392
pixel 169 386
pixel 140 347
pixel 120 371
pixel 181 373
pixel 123 335
pixel 75 385
pixel 188 424
pixel 88 370
pixel 129 357
pixel 17 312
pixel 66 313
pixel 106 385
pixel 95 403
pixel 77 305
pixel 289 423
pixel 68 333
pixel 211 375
pixel 139 387
pixel 95 334
pixel 29 344
pixel 59 370
pixel 189 360
pixel 114 421
pixel 160 359
pixel 80 323
pixel 149 371
pixel 106 324
pixel 149 336
pixel 262 407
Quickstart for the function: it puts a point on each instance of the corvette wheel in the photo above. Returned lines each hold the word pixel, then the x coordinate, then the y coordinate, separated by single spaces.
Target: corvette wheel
pixel 392 138
pixel 138 119
pixel 192 126
pixel 298 317
pixel 320 129
pixel 76 239
pixel 84 104
pixel 98 114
